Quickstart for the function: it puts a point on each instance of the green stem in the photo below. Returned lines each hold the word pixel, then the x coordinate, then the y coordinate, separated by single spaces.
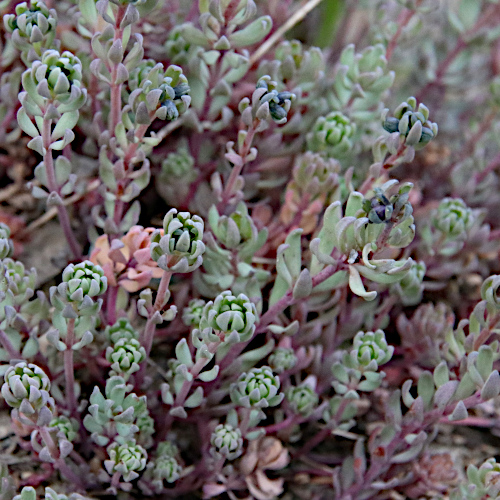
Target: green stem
pixel 69 369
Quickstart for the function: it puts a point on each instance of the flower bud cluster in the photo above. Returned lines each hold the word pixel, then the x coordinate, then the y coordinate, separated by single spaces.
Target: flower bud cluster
pixel 411 123
pixel 274 103
pixel 157 93
pixel 367 226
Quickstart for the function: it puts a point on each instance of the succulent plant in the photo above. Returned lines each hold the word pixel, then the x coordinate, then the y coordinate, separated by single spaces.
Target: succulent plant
pixel 370 350
pixel 6 245
pixel 33 27
pixel 67 428
pixel 226 442
pixel 329 239
pixel 259 388
pixel 233 316
pixel 331 133
pixel 282 359
pixel 303 398
pixel 158 92
pixel 125 357
pixel 192 313
pixel 26 386
pixel 412 123
pixel 453 218
pixel 121 330
pixel 128 459
pixel 82 280
pixel 180 248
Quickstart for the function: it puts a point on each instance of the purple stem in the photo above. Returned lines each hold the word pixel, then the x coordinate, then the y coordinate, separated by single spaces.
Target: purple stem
pixel 59 462
pixel 284 424
pixel 48 161
pixel 7 345
pixel 111 305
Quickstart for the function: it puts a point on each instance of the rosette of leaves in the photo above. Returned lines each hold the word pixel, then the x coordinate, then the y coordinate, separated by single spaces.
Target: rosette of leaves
pixel 128 459
pixel 452 222
pixel 177 173
pixel 121 330
pixel 177 48
pixel 226 442
pixel 303 398
pixel 259 388
pixel 360 81
pixel 482 482
pixel 29 493
pixel 192 313
pixel 163 468
pixel 52 90
pixel 315 175
pixel 368 225
pixel 10 85
pixel 224 30
pixel 301 67
pixel 67 428
pixel 81 281
pixel 332 134
pixel 33 28
pixel 370 350
pixel 411 123
pixel 410 288
pixel 125 357
pixel 17 283
pixel 315 182
pixel 240 238
pixel 157 93
pixel 180 249
pixel 282 359
pixel 235 317
pixel 237 231
pixel 116 413
pixel 6 245
pixel 26 387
